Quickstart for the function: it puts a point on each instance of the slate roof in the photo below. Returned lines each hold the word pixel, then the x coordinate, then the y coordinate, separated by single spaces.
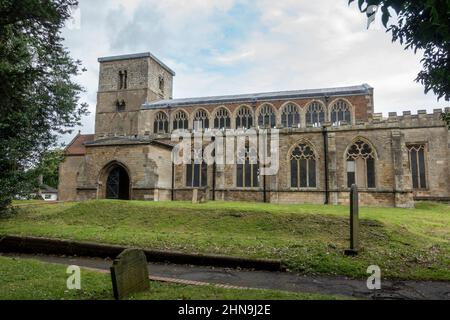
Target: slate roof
pixel 137 56
pixel 255 97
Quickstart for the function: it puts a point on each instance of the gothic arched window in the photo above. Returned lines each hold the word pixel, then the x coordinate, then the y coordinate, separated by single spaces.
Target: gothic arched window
pixel 180 121
pixel 315 114
pixel 222 119
pixel 267 117
pixel 303 167
pixel 161 124
pixel 247 169
pixel 417 165
pixel 244 118
pixel 201 120
pixel 197 173
pixel 361 165
pixel 340 111
pixel 290 117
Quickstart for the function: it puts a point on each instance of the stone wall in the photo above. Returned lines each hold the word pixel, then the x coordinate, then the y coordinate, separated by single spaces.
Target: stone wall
pixel 68 173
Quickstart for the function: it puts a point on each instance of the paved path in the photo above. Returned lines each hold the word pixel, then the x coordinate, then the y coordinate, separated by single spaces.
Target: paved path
pixel 284 281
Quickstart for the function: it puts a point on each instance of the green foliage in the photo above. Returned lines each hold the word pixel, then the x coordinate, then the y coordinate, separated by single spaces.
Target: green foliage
pixel 421 25
pixel 48 167
pixel 405 243
pixel 39 98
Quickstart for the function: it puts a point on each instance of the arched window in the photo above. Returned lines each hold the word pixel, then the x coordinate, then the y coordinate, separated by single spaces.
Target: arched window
pixel 361 165
pixel 197 173
pixel 180 121
pixel 161 124
pixel 340 112
pixel 244 118
pixel 247 169
pixel 120 106
pixel 123 79
pixel 201 120
pixel 315 114
pixel 303 167
pixel 267 117
pixel 290 117
pixel 417 165
pixel 222 119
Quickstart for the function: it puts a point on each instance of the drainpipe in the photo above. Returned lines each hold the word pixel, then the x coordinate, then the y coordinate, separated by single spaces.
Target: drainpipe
pixel 325 148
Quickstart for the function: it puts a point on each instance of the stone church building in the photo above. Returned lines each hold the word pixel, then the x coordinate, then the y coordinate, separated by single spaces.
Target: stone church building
pixel 329 139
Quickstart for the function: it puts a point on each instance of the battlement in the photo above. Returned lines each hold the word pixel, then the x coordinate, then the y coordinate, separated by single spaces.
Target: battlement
pixel 407 118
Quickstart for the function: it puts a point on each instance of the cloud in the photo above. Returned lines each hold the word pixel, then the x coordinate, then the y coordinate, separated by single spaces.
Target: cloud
pixel 238 46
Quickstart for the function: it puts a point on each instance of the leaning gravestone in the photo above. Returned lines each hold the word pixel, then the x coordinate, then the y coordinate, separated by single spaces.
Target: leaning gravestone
pixel 129 273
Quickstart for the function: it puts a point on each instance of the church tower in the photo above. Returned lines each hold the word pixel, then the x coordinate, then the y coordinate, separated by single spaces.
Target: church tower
pixel 125 83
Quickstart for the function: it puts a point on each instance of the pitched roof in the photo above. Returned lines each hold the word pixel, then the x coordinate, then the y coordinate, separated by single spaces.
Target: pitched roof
pixel 47 189
pixel 254 97
pixel 77 146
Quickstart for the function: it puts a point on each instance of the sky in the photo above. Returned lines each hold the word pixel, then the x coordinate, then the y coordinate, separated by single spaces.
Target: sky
pixel 220 47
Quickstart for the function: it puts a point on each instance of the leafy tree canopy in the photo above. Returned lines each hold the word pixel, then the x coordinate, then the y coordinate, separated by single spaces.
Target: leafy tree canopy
pixel 39 98
pixel 420 25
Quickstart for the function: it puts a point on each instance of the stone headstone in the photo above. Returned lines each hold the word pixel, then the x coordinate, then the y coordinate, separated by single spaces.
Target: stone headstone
pixel 354 221
pixel 129 273
pixel 195 198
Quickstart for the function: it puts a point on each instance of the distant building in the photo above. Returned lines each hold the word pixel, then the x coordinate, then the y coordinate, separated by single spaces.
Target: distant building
pixel 329 139
pixel 48 193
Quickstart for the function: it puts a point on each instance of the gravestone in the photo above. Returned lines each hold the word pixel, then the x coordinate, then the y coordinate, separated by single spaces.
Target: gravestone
pixel 354 221
pixel 195 198
pixel 129 273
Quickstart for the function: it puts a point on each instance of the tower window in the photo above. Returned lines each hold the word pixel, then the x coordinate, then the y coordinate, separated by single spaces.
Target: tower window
pixel 121 105
pixel 123 79
pixel 161 83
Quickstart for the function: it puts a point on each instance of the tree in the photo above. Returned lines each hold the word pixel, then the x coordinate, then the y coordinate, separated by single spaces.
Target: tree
pixel 39 99
pixel 48 167
pixel 420 25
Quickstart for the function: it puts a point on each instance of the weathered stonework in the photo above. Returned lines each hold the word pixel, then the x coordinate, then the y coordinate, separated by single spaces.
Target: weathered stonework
pixel 126 138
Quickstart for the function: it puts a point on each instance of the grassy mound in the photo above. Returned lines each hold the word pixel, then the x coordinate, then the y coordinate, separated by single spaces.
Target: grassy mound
pixel 405 243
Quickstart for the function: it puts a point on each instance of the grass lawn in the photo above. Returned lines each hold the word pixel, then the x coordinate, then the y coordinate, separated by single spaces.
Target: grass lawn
pixel 405 243
pixel 22 279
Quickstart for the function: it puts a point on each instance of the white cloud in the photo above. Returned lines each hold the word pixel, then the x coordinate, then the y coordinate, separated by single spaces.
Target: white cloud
pixel 231 46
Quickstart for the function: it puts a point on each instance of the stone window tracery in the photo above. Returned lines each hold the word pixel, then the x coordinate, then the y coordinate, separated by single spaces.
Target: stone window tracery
pixel 290 117
pixel 303 167
pixel 361 165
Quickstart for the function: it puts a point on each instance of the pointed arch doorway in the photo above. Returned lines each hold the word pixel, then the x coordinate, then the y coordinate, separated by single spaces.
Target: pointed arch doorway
pixel 118 184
